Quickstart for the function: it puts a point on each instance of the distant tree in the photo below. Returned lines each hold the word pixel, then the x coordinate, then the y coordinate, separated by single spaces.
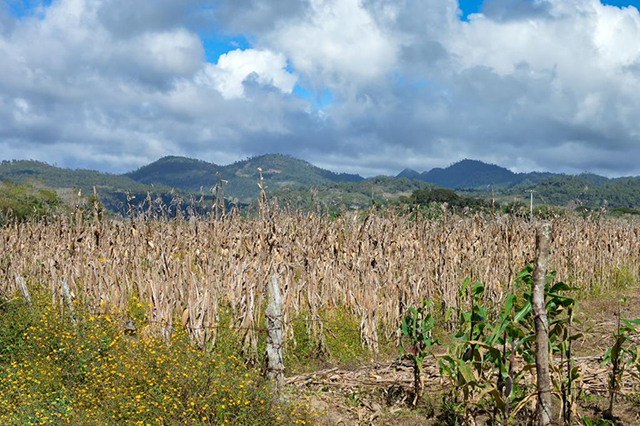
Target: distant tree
pixel 438 195
pixel 515 208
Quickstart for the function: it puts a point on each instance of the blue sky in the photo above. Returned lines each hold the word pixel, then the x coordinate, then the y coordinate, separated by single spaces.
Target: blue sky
pixel 21 8
pixel 216 44
pixel 470 6
pixel 623 3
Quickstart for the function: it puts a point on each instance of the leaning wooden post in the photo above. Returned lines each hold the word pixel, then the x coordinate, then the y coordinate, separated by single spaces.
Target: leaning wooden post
pixel 66 297
pixel 22 286
pixel 543 249
pixel 273 314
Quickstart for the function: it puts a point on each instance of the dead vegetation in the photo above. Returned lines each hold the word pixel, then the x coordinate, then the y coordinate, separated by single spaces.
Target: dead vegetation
pixel 372 267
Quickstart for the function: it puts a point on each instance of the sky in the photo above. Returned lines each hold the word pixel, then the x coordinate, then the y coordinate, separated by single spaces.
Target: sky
pixel 360 86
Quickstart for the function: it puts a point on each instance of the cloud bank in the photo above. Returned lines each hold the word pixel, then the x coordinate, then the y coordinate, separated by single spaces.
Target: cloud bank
pixel 528 84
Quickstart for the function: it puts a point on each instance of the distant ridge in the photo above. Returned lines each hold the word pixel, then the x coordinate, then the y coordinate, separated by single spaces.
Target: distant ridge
pixel 470 174
pixel 289 177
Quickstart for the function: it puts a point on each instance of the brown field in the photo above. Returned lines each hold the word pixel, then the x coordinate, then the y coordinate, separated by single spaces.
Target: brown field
pixel 372 267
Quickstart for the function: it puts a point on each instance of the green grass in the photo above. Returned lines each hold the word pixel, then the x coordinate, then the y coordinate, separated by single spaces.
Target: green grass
pixel 621 279
pixel 339 343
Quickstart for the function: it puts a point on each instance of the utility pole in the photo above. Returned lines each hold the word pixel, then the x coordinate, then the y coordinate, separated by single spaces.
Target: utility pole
pixel 531 191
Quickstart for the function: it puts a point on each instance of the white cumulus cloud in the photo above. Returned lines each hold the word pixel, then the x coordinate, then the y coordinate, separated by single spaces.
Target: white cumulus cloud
pixel 233 69
pixel 337 42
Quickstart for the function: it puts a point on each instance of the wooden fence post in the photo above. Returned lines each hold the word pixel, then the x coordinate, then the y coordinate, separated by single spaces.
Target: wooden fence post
pixel 273 314
pixel 66 297
pixel 544 409
pixel 23 289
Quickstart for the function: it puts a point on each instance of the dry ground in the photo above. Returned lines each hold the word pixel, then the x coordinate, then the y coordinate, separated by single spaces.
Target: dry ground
pixel 379 393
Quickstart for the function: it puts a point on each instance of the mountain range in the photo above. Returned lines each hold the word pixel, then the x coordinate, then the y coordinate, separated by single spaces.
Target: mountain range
pixel 291 179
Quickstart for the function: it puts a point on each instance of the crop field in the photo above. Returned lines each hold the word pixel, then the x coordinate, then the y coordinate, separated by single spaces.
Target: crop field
pixel 373 267
pixel 347 286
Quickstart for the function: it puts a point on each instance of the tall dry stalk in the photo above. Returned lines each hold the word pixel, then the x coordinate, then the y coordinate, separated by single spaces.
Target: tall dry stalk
pixel 372 268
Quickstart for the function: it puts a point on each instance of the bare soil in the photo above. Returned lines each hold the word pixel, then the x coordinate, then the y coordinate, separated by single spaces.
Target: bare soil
pixel 380 393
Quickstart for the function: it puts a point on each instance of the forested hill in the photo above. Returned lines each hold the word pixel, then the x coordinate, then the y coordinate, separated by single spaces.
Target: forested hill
pixel 187 176
pixel 469 174
pixel 588 190
pixel 112 188
pixel 280 171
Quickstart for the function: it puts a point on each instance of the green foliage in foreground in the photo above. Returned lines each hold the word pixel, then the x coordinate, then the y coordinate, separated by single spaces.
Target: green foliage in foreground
pixel 622 356
pixel 417 327
pixel 491 354
pixel 55 372
pixel 23 202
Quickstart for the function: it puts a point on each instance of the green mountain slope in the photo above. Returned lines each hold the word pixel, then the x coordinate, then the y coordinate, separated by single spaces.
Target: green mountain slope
pixel 470 174
pixel 279 171
pixel 111 188
pixel 25 201
pixel 576 190
pixel 291 180
pixel 177 172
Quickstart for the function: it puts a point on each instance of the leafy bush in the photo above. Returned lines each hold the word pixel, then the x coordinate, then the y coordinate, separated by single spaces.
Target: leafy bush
pixel 481 363
pixel 622 356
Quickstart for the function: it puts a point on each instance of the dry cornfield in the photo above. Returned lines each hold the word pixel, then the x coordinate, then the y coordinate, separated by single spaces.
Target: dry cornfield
pixel 372 267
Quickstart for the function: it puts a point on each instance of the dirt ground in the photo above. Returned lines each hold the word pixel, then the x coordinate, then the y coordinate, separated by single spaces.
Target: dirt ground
pixel 380 393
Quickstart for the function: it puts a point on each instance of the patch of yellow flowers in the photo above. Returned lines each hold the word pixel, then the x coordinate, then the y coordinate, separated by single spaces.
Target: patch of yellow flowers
pixel 54 371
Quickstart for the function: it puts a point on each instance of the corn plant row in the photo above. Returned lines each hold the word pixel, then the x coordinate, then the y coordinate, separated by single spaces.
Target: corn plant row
pixel 373 266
